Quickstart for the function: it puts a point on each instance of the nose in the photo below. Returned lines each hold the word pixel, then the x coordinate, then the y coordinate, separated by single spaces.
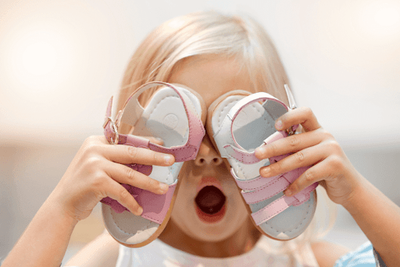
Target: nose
pixel 207 154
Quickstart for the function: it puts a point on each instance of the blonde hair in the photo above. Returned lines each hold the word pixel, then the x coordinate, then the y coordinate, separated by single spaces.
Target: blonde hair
pixel 206 33
pixel 211 33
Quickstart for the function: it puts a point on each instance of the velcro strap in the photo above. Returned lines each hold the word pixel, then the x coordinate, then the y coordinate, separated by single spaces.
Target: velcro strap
pixel 281 204
pixel 272 209
pixel 275 186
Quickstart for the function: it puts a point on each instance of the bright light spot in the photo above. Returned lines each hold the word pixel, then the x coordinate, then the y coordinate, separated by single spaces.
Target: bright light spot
pixel 381 19
pixel 39 58
pixel 387 17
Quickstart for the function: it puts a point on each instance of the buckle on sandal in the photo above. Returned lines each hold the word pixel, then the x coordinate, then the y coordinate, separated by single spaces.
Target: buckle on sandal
pixel 115 140
pixel 292 105
pixel 292 102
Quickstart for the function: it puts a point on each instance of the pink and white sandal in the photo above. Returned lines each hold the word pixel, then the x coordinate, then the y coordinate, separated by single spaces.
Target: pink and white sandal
pixel 173 114
pixel 237 124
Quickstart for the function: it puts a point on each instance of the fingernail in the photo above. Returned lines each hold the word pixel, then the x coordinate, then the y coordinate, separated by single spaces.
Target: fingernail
pixel 288 192
pixel 139 211
pixel 260 150
pixel 278 124
pixel 265 171
pixel 168 159
pixel 163 187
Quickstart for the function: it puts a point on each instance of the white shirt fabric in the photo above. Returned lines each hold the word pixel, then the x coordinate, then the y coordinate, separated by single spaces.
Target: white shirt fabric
pixel 159 254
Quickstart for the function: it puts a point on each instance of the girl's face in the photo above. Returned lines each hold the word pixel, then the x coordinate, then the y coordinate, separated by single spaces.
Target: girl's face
pixel 208 207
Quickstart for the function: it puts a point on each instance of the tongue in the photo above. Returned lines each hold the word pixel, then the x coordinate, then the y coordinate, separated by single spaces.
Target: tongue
pixel 210 199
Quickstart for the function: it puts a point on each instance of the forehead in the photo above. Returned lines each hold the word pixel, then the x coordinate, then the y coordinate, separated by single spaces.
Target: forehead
pixel 212 76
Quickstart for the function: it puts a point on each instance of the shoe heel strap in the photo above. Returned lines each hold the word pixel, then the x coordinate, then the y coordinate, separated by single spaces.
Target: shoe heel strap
pixel 132 111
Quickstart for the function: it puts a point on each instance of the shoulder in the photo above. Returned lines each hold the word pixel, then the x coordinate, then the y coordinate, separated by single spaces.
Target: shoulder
pixel 327 253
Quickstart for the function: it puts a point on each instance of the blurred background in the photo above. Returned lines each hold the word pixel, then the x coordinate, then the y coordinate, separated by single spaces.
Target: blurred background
pixel 60 61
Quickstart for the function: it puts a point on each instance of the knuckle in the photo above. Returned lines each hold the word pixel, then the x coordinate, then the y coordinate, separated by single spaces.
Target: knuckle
pixel 90 139
pixel 299 156
pixel 93 164
pixel 326 134
pixel 309 176
pixel 124 194
pixel 98 180
pixel 335 162
pixel 272 147
pixel 132 152
pixel 294 141
pixel 151 183
pixel 308 111
pixel 156 157
pixel 90 146
pixel 131 174
pixel 275 168
pixel 334 147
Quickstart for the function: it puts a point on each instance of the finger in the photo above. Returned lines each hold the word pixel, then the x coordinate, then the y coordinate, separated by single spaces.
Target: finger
pixel 316 173
pixel 128 154
pixel 154 140
pixel 302 115
pixel 126 175
pixel 119 193
pixel 302 158
pixel 291 144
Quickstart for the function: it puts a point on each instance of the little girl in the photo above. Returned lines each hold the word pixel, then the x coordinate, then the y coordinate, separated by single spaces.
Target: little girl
pixel 212 54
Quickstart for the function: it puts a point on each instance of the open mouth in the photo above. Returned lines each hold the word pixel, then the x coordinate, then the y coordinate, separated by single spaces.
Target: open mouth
pixel 210 204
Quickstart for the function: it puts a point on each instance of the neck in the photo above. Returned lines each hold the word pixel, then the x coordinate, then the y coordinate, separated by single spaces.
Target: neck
pixel 243 240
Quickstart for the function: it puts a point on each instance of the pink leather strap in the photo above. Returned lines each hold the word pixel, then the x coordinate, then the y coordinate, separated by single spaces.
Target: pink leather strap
pixel 274 186
pixel 252 184
pixel 281 204
pixel 260 188
pixel 246 157
pixel 155 207
pixel 186 152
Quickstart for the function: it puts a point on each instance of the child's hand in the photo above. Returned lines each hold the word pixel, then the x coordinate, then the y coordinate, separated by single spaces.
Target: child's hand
pixel 97 171
pixel 313 147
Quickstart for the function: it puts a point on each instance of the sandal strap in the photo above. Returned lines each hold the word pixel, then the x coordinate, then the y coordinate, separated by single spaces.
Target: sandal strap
pixel 246 157
pixel 225 132
pixel 274 186
pixel 260 96
pixel 252 184
pixel 281 204
pixel 155 207
pixel 131 113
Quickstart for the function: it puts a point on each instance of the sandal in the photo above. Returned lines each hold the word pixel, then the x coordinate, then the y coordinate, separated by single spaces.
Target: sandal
pixel 173 114
pixel 237 124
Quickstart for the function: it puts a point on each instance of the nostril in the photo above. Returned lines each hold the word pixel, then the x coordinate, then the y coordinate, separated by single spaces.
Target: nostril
pixel 217 161
pixel 208 160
